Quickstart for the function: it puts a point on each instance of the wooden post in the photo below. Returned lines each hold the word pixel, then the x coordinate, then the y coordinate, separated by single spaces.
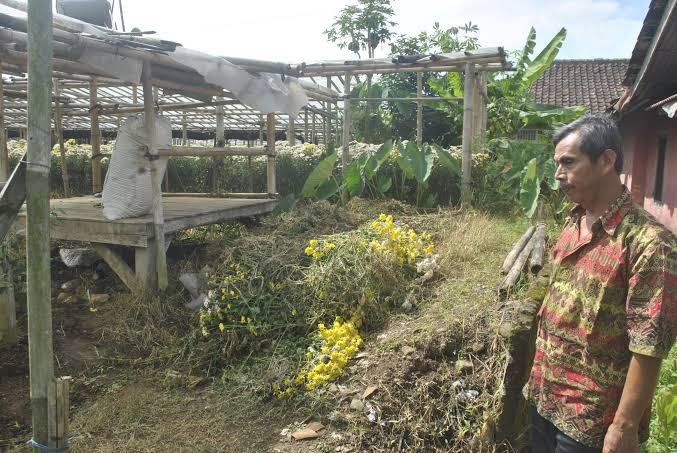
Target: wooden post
pixel 4 157
pixel 330 137
pixel 345 157
pixel 305 126
pixel 271 154
pixel 261 123
pixel 219 141
pixel 291 131
pixel 38 277
pixel 95 135
pixel 58 403
pixel 7 301
pixel 184 130
pixel 156 177
pixel 419 109
pixel 312 129
pixel 135 94
pixel 483 104
pixel 58 125
pixel 466 164
pixel 324 124
pixel 338 136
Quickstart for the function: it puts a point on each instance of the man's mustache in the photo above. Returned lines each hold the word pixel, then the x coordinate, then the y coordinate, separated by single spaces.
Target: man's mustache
pixel 565 186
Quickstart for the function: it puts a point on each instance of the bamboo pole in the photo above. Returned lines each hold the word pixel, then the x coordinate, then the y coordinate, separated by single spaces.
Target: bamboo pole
pixel 345 157
pixel 95 137
pixel 198 151
pixel 537 254
pixel 305 125
pixel 4 156
pixel 184 130
pixel 291 131
pixel 330 138
pixel 312 128
pixel 58 123
pixel 270 180
pixel 516 249
pixel 466 164
pixel 38 277
pixel 246 195
pixel 156 178
pixel 217 162
pixel 419 109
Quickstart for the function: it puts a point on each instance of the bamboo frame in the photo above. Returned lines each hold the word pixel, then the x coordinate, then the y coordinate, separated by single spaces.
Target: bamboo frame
pixel 95 137
pixel 198 151
pixel 419 109
pixel 58 126
pixel 270 166
pixel 466 163
pixel 4 157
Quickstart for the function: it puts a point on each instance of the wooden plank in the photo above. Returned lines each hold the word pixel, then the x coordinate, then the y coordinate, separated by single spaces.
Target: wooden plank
pixel 12 196
pixel 118 265
pixel 246 210
pixel 145 267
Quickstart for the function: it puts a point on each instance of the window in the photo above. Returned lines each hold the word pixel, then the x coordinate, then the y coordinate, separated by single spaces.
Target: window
pixel 660 169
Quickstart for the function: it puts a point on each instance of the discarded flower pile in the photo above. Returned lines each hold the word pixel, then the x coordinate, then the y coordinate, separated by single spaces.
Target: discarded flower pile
pixel 402 242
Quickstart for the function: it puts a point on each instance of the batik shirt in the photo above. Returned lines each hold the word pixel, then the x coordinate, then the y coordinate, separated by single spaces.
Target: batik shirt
pixel 610 295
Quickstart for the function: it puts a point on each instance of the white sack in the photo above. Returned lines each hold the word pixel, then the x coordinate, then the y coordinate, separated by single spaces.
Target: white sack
pixel 127 190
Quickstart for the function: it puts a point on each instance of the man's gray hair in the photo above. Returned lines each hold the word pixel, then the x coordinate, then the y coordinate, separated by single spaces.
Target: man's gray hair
pixel 596 133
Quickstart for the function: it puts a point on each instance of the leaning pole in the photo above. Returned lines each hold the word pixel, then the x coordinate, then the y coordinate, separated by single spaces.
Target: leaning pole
pixel 40 354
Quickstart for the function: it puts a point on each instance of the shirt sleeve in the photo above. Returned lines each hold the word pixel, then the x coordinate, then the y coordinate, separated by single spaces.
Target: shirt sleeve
pixel 651 306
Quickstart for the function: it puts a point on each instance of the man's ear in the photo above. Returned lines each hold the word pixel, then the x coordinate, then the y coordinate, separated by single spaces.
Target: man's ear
pixel 608 160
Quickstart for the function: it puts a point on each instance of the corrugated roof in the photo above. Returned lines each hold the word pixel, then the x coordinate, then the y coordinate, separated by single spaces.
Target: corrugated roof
pixel 594 84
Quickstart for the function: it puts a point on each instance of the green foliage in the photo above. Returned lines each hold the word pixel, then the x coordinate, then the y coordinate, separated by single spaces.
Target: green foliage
pixel 663 437
pixel 319 175
pixel 519 170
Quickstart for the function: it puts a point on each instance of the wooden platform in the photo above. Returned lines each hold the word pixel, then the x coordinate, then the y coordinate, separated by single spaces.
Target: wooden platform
pixel 81 219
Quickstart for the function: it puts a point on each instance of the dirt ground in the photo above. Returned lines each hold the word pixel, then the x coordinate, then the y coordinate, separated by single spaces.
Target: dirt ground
pixel 121 401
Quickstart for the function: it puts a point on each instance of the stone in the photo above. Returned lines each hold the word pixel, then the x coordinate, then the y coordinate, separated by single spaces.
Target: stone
pixel 98 298
pixel 356 404
pixel 80 257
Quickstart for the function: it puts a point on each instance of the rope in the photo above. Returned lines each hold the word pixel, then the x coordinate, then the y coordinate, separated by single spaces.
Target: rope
pixel 32 442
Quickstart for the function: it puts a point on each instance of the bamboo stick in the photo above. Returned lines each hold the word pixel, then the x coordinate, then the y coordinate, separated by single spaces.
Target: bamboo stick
pixel 305 125
pixel 95 137
pixel 58 123
pixel 516 269
pixel 271 176
pixel 184 130
pixel 4 156
pixel 198 151
pixel 419 109
pixel 291 139
pixel 156 178
pixel 466 164
pixel 220 141
pixel 38 281
pixel 516 249
pixel 330 138
pixel 537 254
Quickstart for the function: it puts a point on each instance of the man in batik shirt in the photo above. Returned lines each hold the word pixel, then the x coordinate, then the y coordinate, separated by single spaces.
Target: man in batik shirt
pixel 610 313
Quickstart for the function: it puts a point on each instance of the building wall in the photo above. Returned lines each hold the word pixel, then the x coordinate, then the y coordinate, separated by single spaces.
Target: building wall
pixel 641 132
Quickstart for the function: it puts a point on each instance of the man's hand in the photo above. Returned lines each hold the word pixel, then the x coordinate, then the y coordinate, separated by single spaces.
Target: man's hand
pixel 621 440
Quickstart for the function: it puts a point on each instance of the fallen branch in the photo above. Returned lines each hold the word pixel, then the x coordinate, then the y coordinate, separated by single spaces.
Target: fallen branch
pixel 536 260
pixel 517 268
pixel 516 249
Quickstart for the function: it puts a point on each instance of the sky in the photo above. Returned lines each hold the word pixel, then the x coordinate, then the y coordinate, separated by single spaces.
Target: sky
pixel 291 31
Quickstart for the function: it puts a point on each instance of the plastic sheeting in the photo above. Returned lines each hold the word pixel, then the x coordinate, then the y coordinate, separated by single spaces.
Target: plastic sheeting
pixel 127 190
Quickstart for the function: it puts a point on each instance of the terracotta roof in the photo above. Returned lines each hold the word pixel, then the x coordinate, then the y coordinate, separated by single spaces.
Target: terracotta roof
pixel 594 84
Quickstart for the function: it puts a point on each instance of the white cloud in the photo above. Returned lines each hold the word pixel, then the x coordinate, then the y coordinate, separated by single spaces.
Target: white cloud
pixel 292 31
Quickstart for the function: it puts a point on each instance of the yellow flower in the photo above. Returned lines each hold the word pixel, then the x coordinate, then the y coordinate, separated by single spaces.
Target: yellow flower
pixel 221 327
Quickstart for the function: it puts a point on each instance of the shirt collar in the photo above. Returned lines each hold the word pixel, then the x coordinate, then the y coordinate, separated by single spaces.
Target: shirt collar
pixel 612 216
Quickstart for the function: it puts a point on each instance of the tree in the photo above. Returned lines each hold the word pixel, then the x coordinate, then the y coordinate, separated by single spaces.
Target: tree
pixel 363 26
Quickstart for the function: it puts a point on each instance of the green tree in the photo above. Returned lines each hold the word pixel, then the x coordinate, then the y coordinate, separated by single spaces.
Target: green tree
pixel 364 26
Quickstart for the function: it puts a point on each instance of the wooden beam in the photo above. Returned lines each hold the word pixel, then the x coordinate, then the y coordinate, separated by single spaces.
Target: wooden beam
pixel 466 164
pixel 7 302
pixel 58 405
pixel 270 167
pixel 156 178
pixel 95 137
pixel 38 275
pixel 290 131
pixel 246 195
pixel 118 265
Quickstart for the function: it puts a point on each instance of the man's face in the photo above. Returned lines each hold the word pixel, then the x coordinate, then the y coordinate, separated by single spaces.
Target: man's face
pixel 578 177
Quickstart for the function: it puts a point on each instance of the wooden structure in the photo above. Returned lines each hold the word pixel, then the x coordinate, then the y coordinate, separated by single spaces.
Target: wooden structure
pixel 474 64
